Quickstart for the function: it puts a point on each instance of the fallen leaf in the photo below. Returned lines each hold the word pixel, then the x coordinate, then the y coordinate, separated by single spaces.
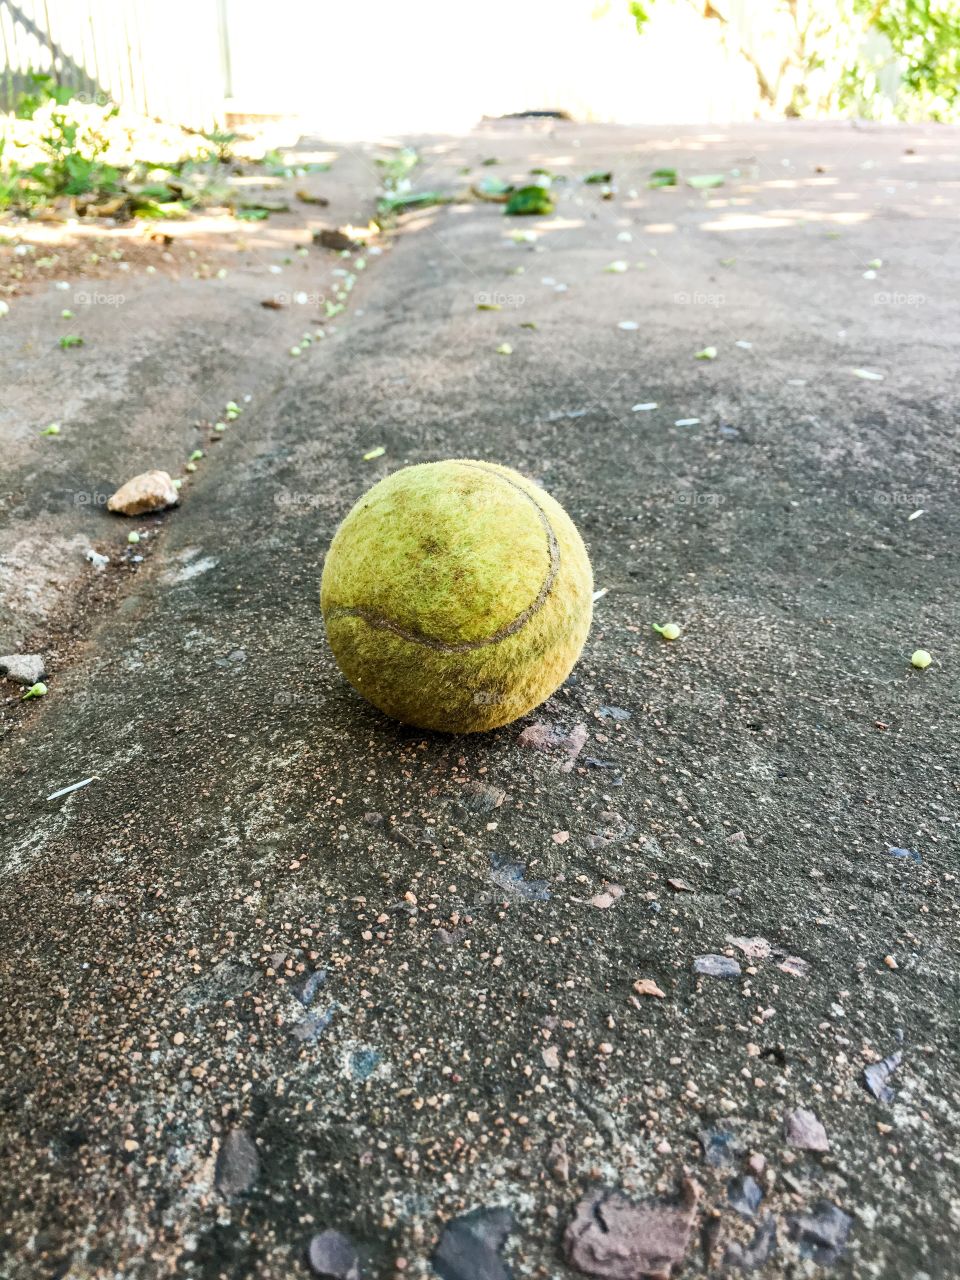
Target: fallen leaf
pixel 527 201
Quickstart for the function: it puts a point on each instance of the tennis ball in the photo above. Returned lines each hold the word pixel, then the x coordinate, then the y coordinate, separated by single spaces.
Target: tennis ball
pixel 456 595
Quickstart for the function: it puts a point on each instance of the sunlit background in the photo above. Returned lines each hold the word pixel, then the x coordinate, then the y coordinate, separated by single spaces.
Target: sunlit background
pixel 434 65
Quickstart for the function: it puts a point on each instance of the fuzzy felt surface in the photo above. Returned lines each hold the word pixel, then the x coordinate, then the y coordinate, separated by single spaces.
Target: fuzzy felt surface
pixel 456 595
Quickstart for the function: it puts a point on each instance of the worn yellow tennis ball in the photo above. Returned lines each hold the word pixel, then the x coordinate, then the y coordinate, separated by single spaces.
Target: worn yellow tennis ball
pixel 456 595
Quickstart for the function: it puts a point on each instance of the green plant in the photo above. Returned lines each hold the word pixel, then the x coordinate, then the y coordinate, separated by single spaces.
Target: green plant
pixel 222 150
pixel 46 90
pixel 74 166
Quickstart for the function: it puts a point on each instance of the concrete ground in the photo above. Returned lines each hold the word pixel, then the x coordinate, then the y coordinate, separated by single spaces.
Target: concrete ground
pixel 285 965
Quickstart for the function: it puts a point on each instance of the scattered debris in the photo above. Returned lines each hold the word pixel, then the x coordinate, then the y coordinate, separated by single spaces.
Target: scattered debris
pixel 149 491
pixel 74 786
pixel 542 736
pixel 645 407
pixel 510 877
pixel 703 181
pixel 331 1254
pixel 310 1027
pixel 713 966
pixel 611 894
pixel 24 668
pixel 867 374
pixel 910 854
pixel 757 1252
pixel 307 992
pixel 877 1074
pixel 535 200
pixel 481 797
pixel 822 1234
pixel 719 1147
pixel 744 1195
pixel 98 561
pixel 469 1247
pixel 333 238
pixel 802 1129
pixel 680 886
pixel 238 1163
pixel 647 987
pixel 612 1237
pixel 793 965
pixel 669 631
pixel 613 713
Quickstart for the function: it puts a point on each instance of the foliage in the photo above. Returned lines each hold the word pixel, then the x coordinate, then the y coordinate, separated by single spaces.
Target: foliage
pixel 46 90
pixel 875 58
pixel 924 36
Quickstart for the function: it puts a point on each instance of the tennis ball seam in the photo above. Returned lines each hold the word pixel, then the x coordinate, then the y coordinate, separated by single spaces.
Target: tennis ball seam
pixel 511 628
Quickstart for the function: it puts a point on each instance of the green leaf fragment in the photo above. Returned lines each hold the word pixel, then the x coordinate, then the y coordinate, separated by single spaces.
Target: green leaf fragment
pixel 663 178
pixel 504 349
pixel 528 201
pixel 600 177
pixel 70 340
pixel 703 181
pixel 52 430
pixel 35 691
pixel 378 452
pixel 708 353
pixel 196 455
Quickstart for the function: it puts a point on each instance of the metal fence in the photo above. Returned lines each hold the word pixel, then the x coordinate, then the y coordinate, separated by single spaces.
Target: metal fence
pixel 166 60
